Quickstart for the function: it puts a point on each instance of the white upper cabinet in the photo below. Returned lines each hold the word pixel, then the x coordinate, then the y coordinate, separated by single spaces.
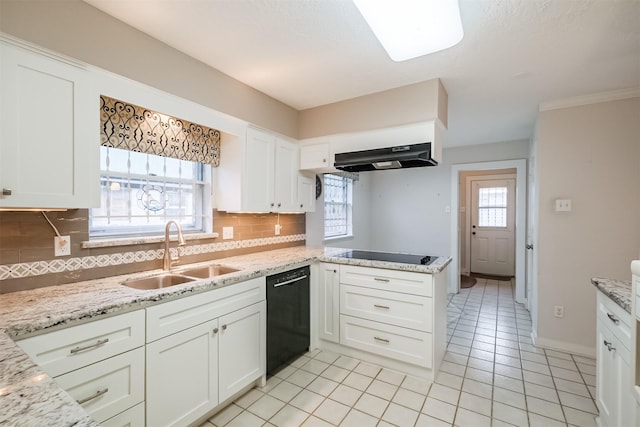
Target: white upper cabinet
pixel 316 157
pixel 49 131
pixel 306 193
pixel 257 174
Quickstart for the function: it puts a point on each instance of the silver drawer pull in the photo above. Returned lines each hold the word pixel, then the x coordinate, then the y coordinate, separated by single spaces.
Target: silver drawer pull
pixel 378 279
pixel 90 346
pixel 383 307
pixel 386 341
pixel 609 346
pixel 215 330
pixel 613 318
pixel 6 191
pixel 93 396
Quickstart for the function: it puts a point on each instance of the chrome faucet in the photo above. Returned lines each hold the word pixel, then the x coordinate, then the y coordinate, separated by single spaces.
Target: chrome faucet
pixel 168 261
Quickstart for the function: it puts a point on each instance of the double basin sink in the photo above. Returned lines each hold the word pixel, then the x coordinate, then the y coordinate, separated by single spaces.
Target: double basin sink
pixel 177 277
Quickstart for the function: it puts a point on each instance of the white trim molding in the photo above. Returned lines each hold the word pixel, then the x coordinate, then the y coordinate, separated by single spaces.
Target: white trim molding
pixel 563 346
pixel 614 95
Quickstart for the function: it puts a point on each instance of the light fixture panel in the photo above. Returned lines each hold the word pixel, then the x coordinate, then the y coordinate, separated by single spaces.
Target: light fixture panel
pixel 411 28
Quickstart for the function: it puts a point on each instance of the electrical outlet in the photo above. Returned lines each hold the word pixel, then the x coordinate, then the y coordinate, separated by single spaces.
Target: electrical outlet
pixel 277 230
pixel 62 245
pixel 563 205
pixel 227 233
pixel 558 311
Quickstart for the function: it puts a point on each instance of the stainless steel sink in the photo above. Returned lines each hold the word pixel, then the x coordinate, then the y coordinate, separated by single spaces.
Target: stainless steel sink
pixel 207 272
pixel 157 282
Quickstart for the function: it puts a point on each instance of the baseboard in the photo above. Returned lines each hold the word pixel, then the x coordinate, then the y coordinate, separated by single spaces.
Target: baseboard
pixel 566 347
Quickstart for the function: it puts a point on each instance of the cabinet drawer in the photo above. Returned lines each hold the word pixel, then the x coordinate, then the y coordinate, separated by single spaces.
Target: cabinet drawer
pixel 390 280
pixel 107 388
pixel 617 320
pixel 72 348
pixel 386 340
pixel 394 308
pixel 171 317
pixel 132 417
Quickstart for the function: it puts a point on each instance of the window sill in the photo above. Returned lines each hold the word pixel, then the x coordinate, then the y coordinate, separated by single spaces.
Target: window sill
pixel 141 240
pixel 338 239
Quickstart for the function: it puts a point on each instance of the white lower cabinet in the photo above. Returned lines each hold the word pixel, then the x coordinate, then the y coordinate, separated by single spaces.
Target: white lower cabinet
pixel 108 387
pixel 132 417
pixel 242 349
pixel 614 383
pixel 182 383
pixel 328 301
pixel 195 365
pixel 101 364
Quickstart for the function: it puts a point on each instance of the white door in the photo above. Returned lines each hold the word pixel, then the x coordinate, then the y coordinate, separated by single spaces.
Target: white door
pixel 182 380
pixel 286 173
pixel 242 349
pixel 259 172
pixel 493 227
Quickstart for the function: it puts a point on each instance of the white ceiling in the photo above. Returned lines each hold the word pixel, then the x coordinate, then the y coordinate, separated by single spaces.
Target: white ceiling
pixel 515 54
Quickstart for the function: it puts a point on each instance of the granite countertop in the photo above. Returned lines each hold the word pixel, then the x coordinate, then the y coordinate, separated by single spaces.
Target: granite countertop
pixel 618 290
pixel 29 397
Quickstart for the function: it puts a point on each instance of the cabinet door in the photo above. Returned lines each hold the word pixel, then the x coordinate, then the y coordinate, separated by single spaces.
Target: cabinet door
pixel 242 349
pixel 182 376
pixel 258 182
pixel 315 157
pixel 606 377
pixel 286 173
pixel 328 302
pixel 306 194
pixel 49 135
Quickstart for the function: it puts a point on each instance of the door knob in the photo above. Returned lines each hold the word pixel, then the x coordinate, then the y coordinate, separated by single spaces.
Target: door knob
pixel 473 226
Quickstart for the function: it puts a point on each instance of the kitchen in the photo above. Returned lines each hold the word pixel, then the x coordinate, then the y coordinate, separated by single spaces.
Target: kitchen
pixel 567 153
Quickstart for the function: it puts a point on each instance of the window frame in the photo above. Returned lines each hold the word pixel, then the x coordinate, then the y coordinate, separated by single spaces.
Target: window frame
pixel 202 205
pixel 348 204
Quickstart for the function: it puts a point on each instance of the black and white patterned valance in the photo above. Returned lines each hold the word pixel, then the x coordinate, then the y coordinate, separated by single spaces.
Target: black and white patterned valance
pixel 355 176
pixel 134 128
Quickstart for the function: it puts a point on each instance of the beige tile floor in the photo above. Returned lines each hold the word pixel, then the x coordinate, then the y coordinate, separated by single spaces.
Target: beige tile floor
pixel 492 376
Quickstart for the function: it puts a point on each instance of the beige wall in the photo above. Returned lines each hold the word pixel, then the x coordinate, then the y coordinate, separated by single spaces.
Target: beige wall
pixel 415 103
pixel 591 155
pixel 80 31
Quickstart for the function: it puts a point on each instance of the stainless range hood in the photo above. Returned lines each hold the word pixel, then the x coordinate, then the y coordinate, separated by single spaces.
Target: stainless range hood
pixel 403 156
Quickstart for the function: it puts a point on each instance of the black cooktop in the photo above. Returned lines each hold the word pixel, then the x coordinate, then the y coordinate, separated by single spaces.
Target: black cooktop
pixel 389 257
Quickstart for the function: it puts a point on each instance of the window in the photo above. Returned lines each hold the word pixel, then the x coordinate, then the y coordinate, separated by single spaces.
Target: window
pixel 492 207
pixel 337 206
pixel 141 192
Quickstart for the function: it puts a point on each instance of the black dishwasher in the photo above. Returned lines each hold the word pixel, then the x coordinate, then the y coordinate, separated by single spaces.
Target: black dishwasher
pixel 288 317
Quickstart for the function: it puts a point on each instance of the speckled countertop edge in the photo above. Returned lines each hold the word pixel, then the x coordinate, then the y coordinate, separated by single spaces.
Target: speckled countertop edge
pixel 30 397
pixel 619 291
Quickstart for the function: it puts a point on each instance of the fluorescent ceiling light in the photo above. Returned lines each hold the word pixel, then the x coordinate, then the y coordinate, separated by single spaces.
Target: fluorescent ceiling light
pixel 411 28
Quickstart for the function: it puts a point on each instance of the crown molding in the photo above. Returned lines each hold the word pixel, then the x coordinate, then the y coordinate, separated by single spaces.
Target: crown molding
pixel 614 95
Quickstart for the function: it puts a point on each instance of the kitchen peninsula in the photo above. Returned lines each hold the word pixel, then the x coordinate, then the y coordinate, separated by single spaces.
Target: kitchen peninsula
pixel 29 396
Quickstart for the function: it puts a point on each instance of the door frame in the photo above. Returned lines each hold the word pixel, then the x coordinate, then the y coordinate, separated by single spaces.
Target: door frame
pixel 468 204
pixel 521 220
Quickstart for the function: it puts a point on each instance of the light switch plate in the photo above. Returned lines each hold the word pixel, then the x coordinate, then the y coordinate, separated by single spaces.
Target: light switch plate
pixel 227 232
pixel 62 245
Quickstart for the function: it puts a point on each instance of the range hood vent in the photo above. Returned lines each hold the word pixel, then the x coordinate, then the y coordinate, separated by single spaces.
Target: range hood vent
pixel 403 156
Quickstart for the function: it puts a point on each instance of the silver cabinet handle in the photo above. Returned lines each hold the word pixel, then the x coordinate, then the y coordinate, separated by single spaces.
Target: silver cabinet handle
pixel 90 346
pixel 273 204
pixel 93 396
pixel 301 205
pixel 386 341
pixel 324 160
pixel 279 204
pixel 224 327
pixel 6 191
pixel 609 346
pixel 215 330
pixel 613 318
pixel 378 279
pixel 384 307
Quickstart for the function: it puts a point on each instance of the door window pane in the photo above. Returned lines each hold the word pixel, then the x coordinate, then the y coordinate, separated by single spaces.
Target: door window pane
pixel 492 207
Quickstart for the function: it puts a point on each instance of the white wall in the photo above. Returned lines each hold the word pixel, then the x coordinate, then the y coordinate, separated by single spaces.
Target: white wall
pixel 591 155
pixel 406 209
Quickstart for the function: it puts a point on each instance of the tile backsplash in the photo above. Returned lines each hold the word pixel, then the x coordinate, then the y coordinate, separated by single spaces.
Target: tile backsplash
pixel 27 260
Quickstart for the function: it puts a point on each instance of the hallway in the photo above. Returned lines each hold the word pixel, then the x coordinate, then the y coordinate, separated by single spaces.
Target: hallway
pixel 492 376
